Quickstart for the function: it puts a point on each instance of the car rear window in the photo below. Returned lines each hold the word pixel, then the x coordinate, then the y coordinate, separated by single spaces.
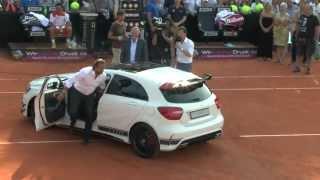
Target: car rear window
pixel 190 95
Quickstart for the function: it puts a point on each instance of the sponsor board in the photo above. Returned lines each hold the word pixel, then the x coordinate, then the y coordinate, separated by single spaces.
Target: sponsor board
pixel 209 53
pixel 26 54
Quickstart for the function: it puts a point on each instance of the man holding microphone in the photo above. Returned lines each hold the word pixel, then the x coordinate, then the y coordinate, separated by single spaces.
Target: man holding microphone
pixel 184 50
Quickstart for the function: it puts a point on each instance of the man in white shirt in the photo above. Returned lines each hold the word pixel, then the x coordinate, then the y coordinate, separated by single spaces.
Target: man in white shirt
pixel 81 91
pixel 184 51
pixel 60 25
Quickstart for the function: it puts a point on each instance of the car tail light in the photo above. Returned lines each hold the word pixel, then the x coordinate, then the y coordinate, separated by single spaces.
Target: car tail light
pixel 216 101
pixel 171 113
pixel 166 86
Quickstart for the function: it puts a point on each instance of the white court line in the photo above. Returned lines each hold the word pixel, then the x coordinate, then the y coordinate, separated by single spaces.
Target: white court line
pixel 8 79
pixel 264 77
pixel 40 142
pixel 277 135
pixel 10 92
pixel 265 89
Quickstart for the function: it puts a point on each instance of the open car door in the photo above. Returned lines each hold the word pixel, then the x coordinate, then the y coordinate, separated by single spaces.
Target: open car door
pixel 48 109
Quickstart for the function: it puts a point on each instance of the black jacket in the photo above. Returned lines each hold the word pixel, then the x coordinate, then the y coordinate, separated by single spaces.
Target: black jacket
pixel 141 51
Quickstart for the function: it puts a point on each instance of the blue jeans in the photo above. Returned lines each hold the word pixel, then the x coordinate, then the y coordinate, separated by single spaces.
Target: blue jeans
pixel 184 66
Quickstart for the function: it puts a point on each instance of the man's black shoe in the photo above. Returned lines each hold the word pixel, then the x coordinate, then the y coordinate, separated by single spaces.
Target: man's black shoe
pixel 85 142
pixel 296 70
pixel 308 71
pixel 71 127
pixel 72 130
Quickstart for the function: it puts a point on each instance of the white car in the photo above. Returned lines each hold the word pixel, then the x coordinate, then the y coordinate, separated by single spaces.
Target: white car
pixel 152 107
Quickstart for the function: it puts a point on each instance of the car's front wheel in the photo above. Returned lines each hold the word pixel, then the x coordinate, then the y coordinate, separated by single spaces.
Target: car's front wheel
pixel 144 141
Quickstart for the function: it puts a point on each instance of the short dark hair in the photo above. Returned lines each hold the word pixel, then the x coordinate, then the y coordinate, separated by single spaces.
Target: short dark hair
pixel 182 28
pixel 97 62
pixel 120 13
pixel 59 4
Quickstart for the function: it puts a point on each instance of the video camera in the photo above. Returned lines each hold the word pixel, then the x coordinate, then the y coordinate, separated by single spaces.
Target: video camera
pixel 159 23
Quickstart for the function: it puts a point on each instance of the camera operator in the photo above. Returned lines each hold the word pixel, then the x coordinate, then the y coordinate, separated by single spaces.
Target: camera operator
pixel 158 45
pixel 168 37
pixel 152 11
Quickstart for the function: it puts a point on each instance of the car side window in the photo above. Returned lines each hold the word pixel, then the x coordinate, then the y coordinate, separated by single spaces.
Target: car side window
pixel 123 86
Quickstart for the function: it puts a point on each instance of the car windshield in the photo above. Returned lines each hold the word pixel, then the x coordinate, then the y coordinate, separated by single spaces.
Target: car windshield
pixel 188 95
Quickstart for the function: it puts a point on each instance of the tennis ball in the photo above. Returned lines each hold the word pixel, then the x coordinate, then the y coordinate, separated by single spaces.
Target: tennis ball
pixel 75 6
pixel 234 8
pixel 245 9
pixel 259 7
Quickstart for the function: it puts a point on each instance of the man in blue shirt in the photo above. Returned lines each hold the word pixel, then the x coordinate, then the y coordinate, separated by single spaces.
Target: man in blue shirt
pixel 152 10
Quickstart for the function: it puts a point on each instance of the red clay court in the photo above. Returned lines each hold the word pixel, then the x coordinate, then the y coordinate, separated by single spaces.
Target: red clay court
pixel 271 132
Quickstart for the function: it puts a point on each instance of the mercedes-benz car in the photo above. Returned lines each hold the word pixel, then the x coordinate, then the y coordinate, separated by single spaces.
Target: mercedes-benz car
pixel 152 107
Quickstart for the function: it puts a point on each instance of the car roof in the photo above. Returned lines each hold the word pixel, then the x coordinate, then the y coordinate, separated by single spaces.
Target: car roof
pixel 155 73
pixel 163 75
pixel 135 68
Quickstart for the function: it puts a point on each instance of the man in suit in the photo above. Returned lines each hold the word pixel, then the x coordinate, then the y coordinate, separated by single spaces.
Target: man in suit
pixel 134 49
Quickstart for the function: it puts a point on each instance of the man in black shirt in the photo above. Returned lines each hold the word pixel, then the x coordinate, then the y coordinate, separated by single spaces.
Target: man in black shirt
pixel 177 13
pixel 168 3
pixel 308 31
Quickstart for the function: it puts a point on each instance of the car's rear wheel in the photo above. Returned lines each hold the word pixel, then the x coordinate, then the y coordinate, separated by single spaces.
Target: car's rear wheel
pixel 31 113
pixel 144 141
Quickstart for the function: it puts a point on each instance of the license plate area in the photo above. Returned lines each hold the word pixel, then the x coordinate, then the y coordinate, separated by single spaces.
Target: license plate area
pixel 199 113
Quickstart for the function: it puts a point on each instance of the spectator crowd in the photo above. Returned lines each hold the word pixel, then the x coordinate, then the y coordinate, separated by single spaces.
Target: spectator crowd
pixel 285 26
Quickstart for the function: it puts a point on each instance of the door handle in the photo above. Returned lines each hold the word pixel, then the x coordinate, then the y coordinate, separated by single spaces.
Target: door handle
pixel 132 103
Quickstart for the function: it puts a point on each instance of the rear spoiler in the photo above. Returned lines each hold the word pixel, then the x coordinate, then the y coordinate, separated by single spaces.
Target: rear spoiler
pixel 185 86
pixel 204 77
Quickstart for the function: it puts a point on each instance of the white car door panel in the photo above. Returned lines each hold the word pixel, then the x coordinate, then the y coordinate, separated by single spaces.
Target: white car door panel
pixel 122 104
pixel 48 109
pixel 118 112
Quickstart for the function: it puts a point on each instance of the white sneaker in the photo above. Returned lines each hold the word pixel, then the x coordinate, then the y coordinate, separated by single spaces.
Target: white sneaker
pixel 69 44
pixel 53 45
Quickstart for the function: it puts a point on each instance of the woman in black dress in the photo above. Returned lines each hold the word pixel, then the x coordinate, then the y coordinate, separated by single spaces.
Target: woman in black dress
pixel 266 34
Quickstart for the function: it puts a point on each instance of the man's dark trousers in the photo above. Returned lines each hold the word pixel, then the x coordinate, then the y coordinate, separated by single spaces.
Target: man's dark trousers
pixel 77 102
pixel 294 49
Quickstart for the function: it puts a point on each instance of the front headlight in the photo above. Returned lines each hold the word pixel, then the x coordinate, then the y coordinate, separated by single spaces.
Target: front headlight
pixel 28 88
